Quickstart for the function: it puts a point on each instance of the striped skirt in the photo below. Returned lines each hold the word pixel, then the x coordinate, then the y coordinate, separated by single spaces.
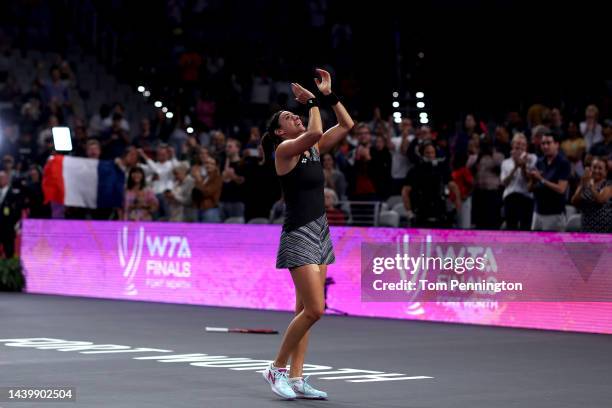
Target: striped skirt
pixel 308 244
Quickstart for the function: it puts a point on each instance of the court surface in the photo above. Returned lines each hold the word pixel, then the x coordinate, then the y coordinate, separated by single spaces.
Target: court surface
pixel 362 362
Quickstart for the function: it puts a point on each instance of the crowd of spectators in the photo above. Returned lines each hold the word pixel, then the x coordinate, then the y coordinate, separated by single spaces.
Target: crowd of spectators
pixel 519 173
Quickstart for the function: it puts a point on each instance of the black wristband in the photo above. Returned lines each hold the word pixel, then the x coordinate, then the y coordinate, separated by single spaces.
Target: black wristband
pixel 312 102
pixel 331 99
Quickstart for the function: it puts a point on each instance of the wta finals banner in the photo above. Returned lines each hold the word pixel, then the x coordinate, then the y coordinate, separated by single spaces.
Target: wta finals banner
pixel 555 281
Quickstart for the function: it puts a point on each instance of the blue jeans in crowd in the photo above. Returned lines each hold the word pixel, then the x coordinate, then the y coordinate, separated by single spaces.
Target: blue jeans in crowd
pixel 210 215
pixel 232 209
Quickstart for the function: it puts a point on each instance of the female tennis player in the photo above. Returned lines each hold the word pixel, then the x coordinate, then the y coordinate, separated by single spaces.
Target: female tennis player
pixel 305 246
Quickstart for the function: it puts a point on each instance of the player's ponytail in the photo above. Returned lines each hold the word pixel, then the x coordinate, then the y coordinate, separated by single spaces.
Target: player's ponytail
pixel 270 139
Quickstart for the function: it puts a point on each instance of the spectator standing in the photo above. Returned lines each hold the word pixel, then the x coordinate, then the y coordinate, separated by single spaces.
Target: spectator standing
pixel 549 181
pixel 556 123
pixel 518 200
pixel 232 193
pixel 96 123
pixel 381 166
pixel 161 174
pixel 502 141
pixel 33 194
pixel 205 110
pixel 423 193
pixel 140 201
pixel 93 149
pixel 8 165
pixel 460 142
pixel 145 139
pixel 604 148
pixel 463 178
pixel 115 139
pixel 80 141
pixel 590 127
pixel 118 111
pixel 207 191
pixel 364 188
pixel 399 158
pixel 259 194
pixel 179 198
pixel 594 198
pixel 55 90
pixel 47 133
pixel 334 179
pixel 423 135
pixel 574 148
pixel 178 138
pixel 217 146
pixel 487 202
pixel 10 212
pixel 537 133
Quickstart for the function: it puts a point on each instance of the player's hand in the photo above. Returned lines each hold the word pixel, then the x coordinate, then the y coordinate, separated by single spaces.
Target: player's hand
pixel 323 83
pixel 302 95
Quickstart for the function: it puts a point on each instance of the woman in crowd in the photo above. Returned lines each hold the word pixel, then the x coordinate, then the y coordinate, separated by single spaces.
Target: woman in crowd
pixel 140 202
pixel 207 190
pixel 594 198
pixel 487 201
pixel 334 178
pixel 179 198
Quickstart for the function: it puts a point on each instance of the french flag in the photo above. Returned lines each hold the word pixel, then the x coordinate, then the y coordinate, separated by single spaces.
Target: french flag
pixel 83 182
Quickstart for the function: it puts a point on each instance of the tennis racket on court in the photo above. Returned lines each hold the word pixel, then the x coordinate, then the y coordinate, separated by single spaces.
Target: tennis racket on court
pixel 240 330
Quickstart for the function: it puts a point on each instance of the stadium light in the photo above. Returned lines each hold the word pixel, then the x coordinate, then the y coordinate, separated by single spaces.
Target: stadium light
pixel 396 104
pixel 141 89
pixel 164 109
pixel 420 95
pixel 423 114
pixel 424 120
pixel 169 115
pixel 395 94
pixel 146 94
pixel 158 104
pixel 397 120
pixel 190 130
pixel 420 105
pixel 397 114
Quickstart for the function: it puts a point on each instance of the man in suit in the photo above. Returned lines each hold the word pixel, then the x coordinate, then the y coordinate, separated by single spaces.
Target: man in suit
pixel 9 214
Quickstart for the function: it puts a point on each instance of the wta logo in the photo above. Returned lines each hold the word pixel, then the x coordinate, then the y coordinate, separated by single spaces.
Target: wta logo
pixel 167 264
pixel 130 266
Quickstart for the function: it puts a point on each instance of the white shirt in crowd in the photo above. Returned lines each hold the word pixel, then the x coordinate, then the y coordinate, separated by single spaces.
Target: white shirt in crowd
pixel 181 209
pixel 399 161
pixel 165 180
pixel 518 183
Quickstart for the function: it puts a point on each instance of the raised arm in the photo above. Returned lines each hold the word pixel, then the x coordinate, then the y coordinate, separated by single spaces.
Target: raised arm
pixel 345 123
pixel 293 147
